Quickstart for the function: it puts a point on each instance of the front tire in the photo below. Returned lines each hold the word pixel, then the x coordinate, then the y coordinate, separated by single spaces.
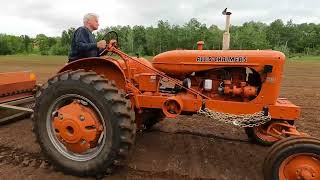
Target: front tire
pixel 109 125
pixel 260 136
pixel 293 158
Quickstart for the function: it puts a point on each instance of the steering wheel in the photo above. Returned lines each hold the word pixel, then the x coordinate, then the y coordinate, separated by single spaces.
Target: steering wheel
pixel 108 36
pixel 111 35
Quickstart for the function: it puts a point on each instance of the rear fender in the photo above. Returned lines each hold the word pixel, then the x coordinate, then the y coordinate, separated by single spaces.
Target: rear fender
pixel 108 67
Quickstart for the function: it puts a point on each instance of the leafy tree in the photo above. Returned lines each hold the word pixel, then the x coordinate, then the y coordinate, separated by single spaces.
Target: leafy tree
pixel 27 43
pixel 67 36
pixel 251 35
pixel 139 40
pixel 4 45
pixel 275 33
pixel 42 42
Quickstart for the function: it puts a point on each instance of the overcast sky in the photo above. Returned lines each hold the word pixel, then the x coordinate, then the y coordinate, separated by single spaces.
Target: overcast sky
pixel 33 17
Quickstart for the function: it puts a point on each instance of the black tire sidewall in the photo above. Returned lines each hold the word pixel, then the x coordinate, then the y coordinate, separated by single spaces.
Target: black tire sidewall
pixel 275 162
pixel 108 152
pixel 252 136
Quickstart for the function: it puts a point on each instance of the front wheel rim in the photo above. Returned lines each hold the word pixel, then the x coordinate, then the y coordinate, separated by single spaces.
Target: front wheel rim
pixel 300 166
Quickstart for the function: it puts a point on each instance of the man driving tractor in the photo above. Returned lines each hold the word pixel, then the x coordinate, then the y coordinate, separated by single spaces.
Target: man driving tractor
pixel 83 43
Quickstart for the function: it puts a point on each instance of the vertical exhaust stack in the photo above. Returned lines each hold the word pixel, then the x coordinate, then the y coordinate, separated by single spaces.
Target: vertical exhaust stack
pixel 226 34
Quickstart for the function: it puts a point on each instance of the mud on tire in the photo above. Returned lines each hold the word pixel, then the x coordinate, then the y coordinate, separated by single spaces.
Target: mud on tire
pixel 115 110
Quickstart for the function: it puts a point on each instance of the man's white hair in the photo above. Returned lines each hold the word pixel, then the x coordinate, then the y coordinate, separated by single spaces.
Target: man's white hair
pixel 88 16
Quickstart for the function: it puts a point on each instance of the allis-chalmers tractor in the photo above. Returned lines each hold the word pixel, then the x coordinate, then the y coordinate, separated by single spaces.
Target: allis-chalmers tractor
pixel 87 115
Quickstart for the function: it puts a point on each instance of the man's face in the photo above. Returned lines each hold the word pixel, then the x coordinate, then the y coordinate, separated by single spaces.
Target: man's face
pixel 93 23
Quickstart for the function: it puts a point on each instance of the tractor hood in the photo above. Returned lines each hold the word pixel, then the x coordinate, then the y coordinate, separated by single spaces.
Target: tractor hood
pixel 185 62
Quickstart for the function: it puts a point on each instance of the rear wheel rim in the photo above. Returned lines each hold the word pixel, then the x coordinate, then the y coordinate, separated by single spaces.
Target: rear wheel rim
pixel 300 166
pixel 59 146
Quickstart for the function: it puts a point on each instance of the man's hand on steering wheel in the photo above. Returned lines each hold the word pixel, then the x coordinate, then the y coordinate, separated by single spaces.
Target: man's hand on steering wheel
pixel 109 46
pixel 113 42
pixel 102 44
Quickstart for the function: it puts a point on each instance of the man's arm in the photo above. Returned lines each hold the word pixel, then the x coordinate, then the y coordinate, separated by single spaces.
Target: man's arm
pixel 82 41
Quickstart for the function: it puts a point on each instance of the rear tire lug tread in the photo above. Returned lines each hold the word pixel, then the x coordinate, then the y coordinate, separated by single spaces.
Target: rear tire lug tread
pixel 44 86
pixel 75 71
pixel 109 90
pixel 126 140
pixel 112 82
pixel 100 81
pixel 119 101
pixel 122 114
pixel 127 126
pixel 99 86
pixel 123 152
pixel 116 163
pixel 77 76
pixel 53 80
pixel 86 77
pixel 91 77
pixel 64 76
pixel 38 94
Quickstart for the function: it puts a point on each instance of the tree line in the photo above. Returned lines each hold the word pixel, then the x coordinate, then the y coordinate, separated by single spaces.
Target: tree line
pixel 287 37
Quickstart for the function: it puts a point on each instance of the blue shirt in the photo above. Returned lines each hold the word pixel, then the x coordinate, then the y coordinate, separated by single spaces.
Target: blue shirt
pixel 83 45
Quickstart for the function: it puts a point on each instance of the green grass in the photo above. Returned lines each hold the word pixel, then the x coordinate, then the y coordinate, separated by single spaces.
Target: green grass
pixel 148 57
pixel 305 58
pixel 32 58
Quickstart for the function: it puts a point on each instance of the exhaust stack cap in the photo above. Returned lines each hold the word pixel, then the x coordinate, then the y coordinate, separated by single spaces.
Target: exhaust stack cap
pixel 225 12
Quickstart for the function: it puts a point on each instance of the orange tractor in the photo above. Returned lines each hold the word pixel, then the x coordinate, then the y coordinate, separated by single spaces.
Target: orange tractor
pixel 87 115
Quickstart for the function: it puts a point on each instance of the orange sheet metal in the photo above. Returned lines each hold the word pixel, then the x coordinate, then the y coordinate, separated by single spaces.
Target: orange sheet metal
pixel 283 109
pixel 16 85
pixel 189 104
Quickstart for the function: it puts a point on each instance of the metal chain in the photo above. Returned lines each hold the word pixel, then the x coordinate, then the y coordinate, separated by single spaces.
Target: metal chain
pixel 242 120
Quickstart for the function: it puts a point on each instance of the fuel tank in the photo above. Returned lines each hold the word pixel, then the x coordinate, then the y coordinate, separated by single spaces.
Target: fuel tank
pixel 184 62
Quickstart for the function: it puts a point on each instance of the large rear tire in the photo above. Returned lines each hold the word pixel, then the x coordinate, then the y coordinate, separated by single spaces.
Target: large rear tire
pixel 293 158
pixel 104 102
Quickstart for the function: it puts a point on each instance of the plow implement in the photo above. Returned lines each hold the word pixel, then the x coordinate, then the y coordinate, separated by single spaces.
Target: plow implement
pixel 16 95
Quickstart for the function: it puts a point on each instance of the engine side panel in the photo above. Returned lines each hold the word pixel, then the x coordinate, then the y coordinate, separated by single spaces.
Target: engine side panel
pixel 199 65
